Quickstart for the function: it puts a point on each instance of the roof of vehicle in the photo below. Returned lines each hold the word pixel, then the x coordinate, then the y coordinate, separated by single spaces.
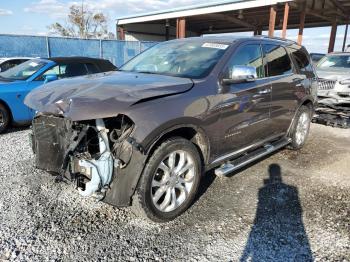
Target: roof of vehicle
pixel 231 39
pixel 71 59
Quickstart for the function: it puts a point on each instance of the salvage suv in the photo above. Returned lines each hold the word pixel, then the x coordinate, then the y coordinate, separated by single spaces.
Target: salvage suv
pixel 146 134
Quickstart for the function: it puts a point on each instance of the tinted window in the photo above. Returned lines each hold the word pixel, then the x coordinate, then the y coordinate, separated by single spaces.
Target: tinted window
pixel 105 65
pixel 249 55
pixel 301 60
pixel 75 69
pixel 277 60
pixel 92 68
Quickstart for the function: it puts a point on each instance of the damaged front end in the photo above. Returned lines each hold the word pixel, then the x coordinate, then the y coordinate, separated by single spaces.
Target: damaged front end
pixel 91 153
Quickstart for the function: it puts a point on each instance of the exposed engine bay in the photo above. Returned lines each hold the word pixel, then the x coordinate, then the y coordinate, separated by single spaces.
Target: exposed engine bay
pixel 88 152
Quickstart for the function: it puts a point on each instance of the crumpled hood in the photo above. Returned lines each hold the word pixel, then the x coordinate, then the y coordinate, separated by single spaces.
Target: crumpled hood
pixel 333 74
pixel 102 95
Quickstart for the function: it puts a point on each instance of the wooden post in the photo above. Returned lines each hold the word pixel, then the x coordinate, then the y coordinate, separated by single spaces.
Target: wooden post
pixel 345 36
pixel 285 20
pixel 332 36
pixel 301 26
pixel 180 28
pixel 272 21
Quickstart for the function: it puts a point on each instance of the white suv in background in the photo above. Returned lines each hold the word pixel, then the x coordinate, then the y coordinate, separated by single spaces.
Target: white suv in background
pixel 334 78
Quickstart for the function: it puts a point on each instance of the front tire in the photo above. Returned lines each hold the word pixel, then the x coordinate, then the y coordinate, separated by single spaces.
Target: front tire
pixel 170 181
pixel 301 128
pixel 4 118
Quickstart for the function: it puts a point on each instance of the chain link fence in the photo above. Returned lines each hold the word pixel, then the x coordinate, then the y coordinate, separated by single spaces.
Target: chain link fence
pixel 118 52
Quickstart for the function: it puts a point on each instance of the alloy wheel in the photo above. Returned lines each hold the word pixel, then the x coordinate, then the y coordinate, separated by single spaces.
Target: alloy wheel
pixel 173 181
pixel 302 128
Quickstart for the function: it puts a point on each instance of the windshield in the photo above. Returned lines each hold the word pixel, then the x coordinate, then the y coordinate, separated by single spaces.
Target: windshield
pixel 24 70
pixel 339 61
pixel 178 58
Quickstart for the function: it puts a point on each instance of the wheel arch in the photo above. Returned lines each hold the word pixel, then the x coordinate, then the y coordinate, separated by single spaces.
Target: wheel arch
pixel 2 102
pixel 308 102
pixel 190 132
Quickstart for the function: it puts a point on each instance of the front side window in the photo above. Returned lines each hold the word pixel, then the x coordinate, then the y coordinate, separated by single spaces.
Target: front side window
pixel 277 60
pixel 335 61
pixel 58 70
pixel 192 59
pixel 24 70
pixel 249 55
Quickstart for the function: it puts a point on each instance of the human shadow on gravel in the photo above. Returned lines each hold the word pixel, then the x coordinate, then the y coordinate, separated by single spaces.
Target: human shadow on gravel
pixel 278 233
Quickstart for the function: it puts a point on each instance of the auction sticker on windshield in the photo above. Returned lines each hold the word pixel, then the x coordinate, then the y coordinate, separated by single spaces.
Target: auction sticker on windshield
pixel 215 45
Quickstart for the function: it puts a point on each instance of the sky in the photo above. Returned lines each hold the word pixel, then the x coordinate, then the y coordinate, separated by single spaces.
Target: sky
pixel 32 17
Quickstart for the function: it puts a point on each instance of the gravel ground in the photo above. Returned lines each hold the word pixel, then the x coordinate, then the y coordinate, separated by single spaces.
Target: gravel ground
pixel 291 206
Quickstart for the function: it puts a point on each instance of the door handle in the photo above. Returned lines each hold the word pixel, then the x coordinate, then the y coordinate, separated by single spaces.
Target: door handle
pixel 264 91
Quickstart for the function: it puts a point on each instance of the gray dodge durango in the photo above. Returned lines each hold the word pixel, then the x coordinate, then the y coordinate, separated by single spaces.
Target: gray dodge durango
pixel 146 134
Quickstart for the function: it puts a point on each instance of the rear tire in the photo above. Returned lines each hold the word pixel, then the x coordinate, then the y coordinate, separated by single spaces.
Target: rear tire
pixel 5 118
pixel 169 182
pixel 301 128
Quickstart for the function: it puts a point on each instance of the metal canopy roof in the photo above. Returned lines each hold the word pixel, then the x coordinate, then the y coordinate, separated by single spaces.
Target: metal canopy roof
pixel 210 8
pixel 240 16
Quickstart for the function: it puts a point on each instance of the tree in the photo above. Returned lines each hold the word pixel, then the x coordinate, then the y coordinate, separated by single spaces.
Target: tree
pixel 83 23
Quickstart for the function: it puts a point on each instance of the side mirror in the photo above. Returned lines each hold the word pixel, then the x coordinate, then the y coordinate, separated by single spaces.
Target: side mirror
pixel 50 78
pixel 241 74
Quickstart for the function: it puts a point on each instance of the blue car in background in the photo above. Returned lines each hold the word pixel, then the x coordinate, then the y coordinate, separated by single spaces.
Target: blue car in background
pixel 18 81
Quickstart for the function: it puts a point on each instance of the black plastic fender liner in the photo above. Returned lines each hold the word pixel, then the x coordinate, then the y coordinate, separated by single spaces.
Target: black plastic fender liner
pixel 125 180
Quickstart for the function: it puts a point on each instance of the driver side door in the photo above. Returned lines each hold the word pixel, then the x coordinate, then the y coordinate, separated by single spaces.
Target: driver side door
pixel 245 106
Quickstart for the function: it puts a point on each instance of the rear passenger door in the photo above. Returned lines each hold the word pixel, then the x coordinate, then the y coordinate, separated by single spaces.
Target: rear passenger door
pixel 280 72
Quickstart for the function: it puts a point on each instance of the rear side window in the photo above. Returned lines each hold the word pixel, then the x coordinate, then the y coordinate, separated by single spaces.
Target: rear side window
pixel 92 68
pixel 302 60
pixel 249 55
pixel 106 66
pixel 277 60
pixel 75 69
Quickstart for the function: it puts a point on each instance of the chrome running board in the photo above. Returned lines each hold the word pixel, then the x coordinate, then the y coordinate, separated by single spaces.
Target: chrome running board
pixel 250 157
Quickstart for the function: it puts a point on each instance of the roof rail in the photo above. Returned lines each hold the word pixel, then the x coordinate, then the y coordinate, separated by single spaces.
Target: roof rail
pixel 277 38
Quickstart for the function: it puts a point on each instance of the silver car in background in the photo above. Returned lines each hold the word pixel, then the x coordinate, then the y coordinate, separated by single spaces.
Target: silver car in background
pixel 334 78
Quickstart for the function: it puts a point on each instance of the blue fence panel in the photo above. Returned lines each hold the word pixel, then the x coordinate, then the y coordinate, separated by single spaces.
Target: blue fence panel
pixel 31 46
pixel 74 47
pixel 146 45
pixel 118 52
pixel 115 51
